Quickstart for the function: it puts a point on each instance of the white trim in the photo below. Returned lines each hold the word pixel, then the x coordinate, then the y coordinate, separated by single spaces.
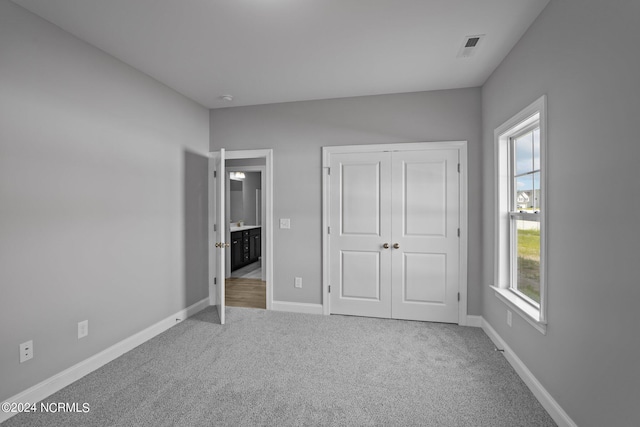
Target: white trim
pixel 406 146
pixel 464 234
pixel 502 246
pixel 59 381
pixel 474 321
pixel 410 146
pixel 297 307
pixel 249 154
pixel 326 298
pixel 522 308
pixel 544 397
pixel 267 253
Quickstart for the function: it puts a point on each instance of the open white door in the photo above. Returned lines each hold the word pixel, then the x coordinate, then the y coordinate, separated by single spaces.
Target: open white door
pixel 217 214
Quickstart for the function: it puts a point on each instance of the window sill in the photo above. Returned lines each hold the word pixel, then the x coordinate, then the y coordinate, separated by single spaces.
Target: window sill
pixel 524 310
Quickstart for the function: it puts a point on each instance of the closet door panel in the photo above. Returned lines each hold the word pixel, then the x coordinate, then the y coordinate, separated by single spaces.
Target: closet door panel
pixel 425 278
pixel 424 216
pixel 360 222
pixel 425 221
pixel 360 199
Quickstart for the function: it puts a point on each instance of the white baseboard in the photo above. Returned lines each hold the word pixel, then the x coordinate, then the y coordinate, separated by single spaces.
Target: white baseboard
pixel 474 321
pixel 546 400
pixel 57 382
pixel 296 307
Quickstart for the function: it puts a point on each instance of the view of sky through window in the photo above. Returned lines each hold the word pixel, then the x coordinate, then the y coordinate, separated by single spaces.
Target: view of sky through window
pixel 527 171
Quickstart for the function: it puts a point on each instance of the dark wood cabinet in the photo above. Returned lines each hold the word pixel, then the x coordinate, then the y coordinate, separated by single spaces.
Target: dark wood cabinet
pixel 237 250
pixel 254 243
pixel 245 247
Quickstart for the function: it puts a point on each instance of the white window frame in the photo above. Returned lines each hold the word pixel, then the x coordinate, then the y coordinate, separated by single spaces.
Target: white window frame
pixel 504 258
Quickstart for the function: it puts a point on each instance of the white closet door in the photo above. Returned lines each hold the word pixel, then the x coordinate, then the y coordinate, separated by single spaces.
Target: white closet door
pixel 360 221
pixel 425 200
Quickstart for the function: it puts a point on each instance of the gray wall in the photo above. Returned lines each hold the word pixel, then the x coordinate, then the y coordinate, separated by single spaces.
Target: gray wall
pixel 297 131
pixel 582 54
pixel 92 199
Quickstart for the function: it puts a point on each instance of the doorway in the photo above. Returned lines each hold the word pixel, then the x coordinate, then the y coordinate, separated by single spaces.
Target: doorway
pixel 245 284
pixel 395 221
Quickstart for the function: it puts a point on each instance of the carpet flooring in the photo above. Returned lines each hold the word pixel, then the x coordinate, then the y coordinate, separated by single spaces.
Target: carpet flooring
pixel 287 369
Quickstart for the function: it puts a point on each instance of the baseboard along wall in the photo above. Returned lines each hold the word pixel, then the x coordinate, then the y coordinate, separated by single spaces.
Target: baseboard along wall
pixel 544 397
pixel 296 307
pixel 57 382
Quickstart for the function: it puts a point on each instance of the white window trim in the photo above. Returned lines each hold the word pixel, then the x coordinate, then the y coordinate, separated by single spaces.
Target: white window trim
pixel 502 268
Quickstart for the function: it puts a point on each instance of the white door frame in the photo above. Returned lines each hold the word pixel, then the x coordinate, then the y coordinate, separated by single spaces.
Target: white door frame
pixel 263 184
pixel 267 252
pixel 461 146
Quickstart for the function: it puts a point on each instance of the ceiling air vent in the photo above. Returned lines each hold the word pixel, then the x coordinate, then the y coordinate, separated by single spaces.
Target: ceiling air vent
pixel 470 46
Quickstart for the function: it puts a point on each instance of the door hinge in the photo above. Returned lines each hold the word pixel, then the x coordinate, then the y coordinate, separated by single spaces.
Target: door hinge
pixel 458 167
pixel 215 280
pixel 329 288
pixel 215 174
pixel 215 227
pixel 328 171
pixel 328 230
pixel 458 296
pixel 458 232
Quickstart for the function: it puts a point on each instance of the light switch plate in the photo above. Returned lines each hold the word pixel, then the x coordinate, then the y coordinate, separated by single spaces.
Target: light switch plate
pixel 298 282
pixel 285 223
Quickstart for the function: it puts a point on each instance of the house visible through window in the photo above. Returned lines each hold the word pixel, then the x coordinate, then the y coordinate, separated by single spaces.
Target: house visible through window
pixel 520 213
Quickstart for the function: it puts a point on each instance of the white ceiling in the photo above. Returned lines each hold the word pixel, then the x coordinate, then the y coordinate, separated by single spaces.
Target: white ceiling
pixel 269 51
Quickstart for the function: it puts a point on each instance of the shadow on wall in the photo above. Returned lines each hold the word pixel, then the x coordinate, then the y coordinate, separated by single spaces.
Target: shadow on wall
pixel 196 205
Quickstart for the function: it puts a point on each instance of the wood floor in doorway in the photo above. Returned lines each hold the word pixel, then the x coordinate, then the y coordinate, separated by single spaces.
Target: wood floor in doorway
pixel 240 292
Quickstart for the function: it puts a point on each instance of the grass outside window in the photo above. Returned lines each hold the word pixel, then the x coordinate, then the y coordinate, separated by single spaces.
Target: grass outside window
pixel 528 263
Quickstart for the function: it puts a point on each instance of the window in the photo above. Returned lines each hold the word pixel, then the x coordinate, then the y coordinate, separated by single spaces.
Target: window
pixel 520 213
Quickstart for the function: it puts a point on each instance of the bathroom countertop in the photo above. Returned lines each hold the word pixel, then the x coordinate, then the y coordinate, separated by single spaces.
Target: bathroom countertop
pixel 244 227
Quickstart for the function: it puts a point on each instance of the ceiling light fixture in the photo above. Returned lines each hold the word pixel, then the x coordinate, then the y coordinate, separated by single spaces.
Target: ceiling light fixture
pixel 227 98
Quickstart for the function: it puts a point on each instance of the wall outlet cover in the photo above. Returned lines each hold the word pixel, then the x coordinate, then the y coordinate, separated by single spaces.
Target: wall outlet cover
pixel 298 282
pixel 26 351
pixel 285 223
pixel 83 329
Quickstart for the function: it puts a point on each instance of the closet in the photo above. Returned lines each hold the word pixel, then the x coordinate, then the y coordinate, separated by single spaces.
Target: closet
pixel 394 233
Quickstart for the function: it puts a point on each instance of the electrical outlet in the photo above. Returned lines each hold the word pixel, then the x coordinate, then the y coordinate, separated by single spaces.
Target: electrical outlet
pixel 26 351
pixel 83 329
pixel 298 282
pixel 285 223
pixel 509 317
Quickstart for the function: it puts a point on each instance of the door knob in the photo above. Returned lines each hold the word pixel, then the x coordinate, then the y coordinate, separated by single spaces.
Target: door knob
pixel 386 246
pixel 396 246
